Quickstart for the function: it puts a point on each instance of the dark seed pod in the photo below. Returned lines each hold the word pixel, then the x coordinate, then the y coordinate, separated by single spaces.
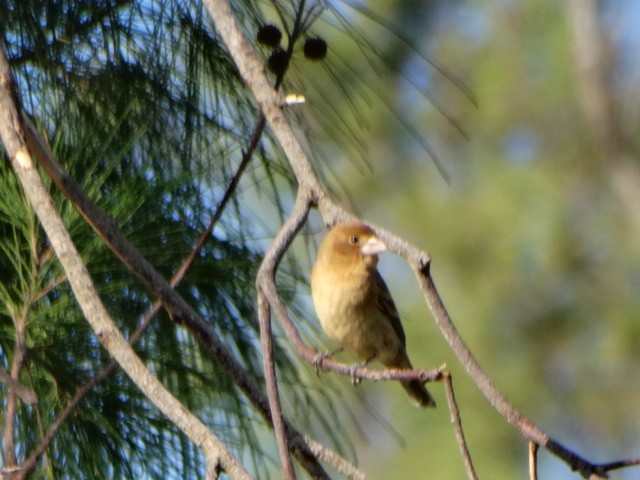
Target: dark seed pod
pixel 269 35
pixel 315 48
pixel 278 61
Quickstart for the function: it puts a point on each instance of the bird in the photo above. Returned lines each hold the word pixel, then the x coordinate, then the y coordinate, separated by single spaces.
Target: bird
pixel 354 305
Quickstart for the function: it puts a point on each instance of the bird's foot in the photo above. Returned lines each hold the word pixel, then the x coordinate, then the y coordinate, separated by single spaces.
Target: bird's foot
pixel 355 381
pixel 317 360
pixel 352 369
pixel 352 372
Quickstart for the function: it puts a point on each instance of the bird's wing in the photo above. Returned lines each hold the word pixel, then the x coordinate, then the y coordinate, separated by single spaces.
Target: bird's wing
pixel 388 307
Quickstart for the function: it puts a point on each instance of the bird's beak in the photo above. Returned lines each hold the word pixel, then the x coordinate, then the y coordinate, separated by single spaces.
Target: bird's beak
pixel 373 246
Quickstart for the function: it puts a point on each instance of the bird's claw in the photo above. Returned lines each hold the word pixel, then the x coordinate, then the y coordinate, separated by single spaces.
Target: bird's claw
pixel 352 369
pixel 352 372
pixel 317 360
pixel 320 356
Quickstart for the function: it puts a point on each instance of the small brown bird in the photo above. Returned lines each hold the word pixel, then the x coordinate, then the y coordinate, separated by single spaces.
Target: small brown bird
pixel 354 305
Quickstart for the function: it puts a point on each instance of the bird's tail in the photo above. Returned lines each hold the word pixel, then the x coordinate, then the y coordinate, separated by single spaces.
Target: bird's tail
pixel 418 393
pixel 416 389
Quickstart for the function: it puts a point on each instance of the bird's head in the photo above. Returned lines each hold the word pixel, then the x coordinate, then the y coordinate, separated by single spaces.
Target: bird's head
pixel 352 242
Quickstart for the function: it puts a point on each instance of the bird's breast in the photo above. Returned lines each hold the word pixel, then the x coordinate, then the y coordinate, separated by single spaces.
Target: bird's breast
pixel 349 314
pixel 337 299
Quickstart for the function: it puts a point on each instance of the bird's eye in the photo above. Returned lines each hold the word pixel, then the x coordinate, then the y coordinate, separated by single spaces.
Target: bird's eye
pixel 353 240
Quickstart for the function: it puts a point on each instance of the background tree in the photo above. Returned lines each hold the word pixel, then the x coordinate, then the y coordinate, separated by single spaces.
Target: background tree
pixel 166 119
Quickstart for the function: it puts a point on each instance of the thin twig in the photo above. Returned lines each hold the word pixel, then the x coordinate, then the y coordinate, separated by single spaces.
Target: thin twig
pixel 247 155
pixel 264 315
pixel 59 280
pixel 330 457
pixel 533 461
pixel 80 393
pixel 11 406
pixel 457 426
pixel 629 462
pixel 266 276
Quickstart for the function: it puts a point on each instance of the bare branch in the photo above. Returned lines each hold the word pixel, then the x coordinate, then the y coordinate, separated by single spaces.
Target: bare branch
pixel 27 394
pixel 252 72
pixel 266 278
pixel 264 314
pixel 526 428
pixel 228 194
pixel 457 426
pixel 12 399
pixel 630 462
pixel 533 461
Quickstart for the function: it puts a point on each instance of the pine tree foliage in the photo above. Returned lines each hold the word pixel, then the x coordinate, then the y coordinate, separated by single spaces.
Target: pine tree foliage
pixel 143 107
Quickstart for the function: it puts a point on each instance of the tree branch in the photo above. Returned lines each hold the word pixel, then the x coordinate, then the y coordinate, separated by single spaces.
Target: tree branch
pixel 267 269
pixel 12 399
pixel 269 365
pixel 216 453
pixel 304 449
pixel 457 426
pixel 26 394
pixel 533 461
pixel 103 374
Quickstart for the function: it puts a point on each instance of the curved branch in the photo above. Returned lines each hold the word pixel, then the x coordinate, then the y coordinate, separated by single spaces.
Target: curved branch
pixel 264 315
pixel 266 275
